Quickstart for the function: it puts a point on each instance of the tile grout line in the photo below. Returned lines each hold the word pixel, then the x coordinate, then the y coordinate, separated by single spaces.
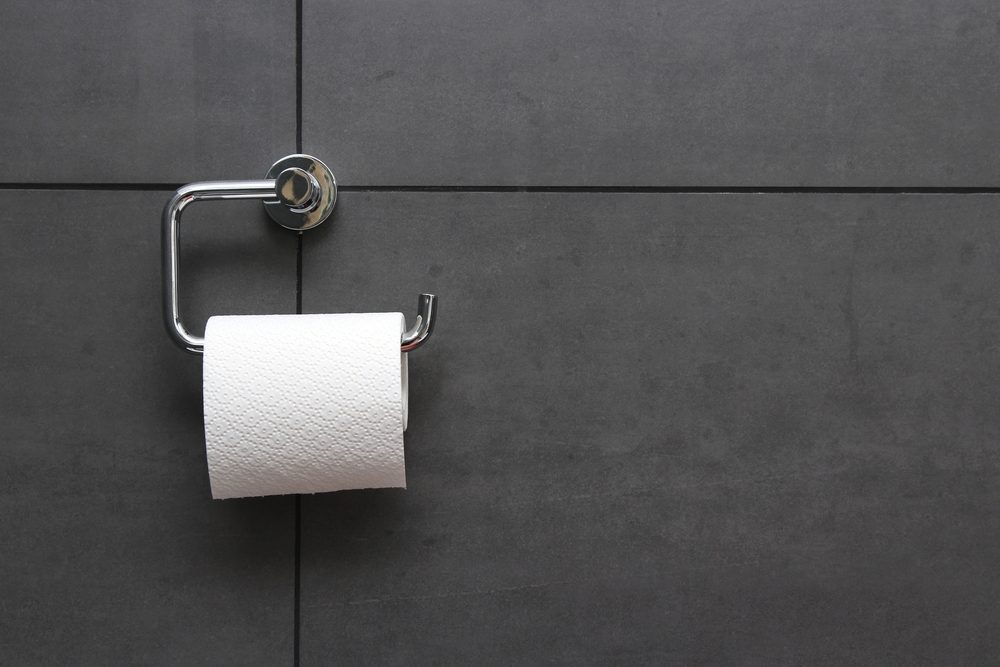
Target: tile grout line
pixel 581 189
pixel 297 597
pixel 113 187
pixel 674 189
pixel 298 76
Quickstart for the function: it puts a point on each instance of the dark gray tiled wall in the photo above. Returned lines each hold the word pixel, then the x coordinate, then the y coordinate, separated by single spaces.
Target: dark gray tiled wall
pixel 671 428
pixel 650 428
pixel 112 550
pixel 724 92
pixel 145 92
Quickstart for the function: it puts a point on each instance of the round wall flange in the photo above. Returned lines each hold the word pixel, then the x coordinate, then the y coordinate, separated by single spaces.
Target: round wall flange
pixel 306 190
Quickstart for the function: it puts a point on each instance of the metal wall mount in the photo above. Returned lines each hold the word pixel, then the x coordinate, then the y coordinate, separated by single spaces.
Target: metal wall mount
pixel 299 192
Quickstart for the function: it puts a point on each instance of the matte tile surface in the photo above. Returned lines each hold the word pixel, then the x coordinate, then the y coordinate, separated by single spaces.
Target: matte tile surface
pixel 112 551
pixel 671 428
pixel 693 93
pixel 145 92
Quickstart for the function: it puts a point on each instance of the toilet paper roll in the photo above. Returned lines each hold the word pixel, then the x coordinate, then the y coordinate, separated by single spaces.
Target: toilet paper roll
pixel 304 403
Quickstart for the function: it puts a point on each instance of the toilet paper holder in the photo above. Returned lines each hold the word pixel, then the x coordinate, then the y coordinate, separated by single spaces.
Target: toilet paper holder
pixel 299 192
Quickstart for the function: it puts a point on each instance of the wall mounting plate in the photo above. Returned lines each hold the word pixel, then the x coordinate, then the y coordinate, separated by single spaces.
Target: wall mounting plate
pixel 300 206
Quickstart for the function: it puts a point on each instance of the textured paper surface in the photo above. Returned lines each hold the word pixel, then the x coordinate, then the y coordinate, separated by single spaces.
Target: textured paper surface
pixel 304 403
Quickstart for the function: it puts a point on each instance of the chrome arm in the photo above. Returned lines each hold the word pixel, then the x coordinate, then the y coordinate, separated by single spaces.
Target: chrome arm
pixel 300 196
pixel 207 191
pixel 423 326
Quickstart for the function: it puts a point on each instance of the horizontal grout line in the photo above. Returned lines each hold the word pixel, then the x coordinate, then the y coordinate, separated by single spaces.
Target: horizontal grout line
pixel 598 189
pixel 672 189
pixel 166 187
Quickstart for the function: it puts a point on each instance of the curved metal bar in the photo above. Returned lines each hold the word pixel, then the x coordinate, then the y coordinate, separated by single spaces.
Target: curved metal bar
pixel 423 326
pixel 416 336
pixel 205 191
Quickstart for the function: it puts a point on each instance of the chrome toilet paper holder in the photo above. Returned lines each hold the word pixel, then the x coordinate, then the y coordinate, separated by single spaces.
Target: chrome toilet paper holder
pixel 299 192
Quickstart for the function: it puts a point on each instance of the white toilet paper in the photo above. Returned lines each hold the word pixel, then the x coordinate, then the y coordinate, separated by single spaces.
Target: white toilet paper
pixel 304 403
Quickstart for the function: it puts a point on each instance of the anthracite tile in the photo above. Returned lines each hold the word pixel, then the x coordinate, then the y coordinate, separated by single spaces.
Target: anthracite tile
pixel 145 92
pixel 113 551
pixel 692 93
pixel 671 428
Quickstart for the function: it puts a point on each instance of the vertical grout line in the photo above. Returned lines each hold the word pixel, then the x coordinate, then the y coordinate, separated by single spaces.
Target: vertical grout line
pixel 298 579
pixel 297 633
pixel 298 76
pixel 298 276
